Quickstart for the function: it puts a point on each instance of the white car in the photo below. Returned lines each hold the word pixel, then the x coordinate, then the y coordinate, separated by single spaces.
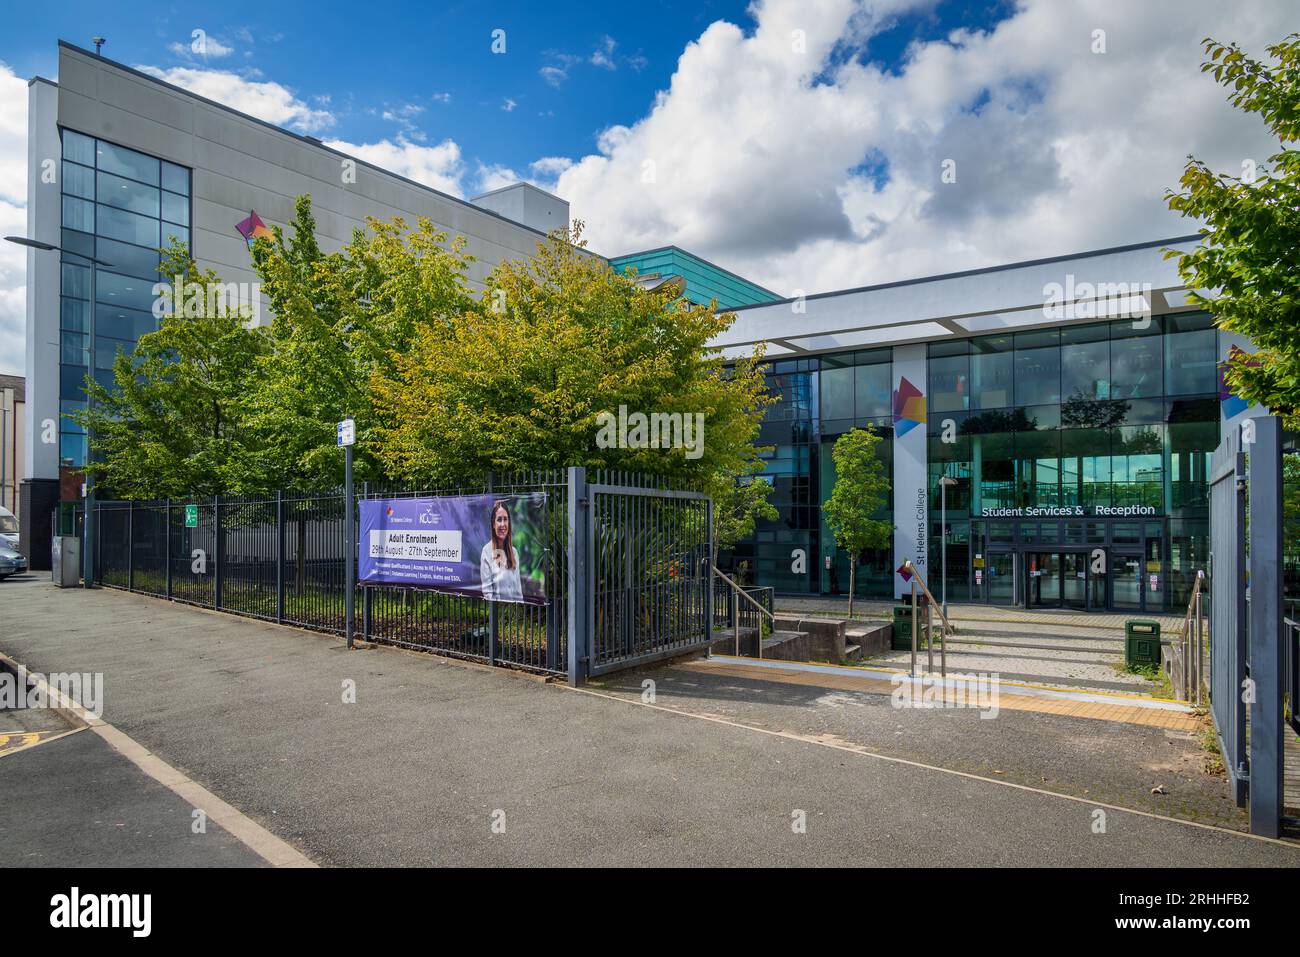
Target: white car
pixel 8 527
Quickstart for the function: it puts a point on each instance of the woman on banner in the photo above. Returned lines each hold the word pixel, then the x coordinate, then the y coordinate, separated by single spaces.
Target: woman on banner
pixel 499 562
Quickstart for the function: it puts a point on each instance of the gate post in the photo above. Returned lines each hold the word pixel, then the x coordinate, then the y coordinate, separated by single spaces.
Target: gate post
pixel 579 560
pixel 279 556
pixel 130 545
pixel 367 594
pixel 216 552
pixel 167 546
pixel 493 622
pixel 1266 722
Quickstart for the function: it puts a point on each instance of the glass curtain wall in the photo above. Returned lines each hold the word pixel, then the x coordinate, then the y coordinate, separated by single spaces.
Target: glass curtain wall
pixel 119 206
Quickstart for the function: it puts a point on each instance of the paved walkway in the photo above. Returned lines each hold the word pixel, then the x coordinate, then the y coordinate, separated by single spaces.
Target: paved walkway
pixel 443 763
pixel 955 690
pixel 878 610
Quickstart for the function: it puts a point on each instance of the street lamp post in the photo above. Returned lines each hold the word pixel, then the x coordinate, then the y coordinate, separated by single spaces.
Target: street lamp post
pixel 87 539
pixel 943 540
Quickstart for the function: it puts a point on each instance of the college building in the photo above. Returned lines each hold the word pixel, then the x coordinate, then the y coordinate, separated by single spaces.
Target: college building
pixel 1048 424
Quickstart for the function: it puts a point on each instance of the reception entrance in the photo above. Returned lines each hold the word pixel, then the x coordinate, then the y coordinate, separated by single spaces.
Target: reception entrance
pixel 1096 566
pixel 1064 580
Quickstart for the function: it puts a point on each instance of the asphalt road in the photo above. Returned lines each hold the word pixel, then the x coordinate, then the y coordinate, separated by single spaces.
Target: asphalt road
pixel 442 763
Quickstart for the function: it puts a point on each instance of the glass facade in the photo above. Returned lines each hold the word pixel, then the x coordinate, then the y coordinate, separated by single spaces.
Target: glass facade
pixel 1079 456
pixel 119 207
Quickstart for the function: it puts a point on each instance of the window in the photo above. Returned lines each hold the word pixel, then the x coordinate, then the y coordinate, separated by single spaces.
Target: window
pixel 128 163
pixel 949 383
pixel 119 206
pixel 873 390
pixel 1191 362
pixel 128 227
pixel 991 373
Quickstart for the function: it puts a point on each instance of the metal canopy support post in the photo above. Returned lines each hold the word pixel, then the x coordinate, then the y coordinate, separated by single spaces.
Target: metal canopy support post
pixel 1265 645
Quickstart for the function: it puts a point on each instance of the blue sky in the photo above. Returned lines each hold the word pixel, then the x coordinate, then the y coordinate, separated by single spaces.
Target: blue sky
pixel 372 58
pixel 809 145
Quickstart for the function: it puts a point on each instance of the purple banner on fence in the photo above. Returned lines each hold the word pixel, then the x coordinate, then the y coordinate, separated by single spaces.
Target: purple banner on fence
pixel 491 546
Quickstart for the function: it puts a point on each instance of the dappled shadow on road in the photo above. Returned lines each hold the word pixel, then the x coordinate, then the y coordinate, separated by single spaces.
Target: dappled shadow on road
pixel 1109 762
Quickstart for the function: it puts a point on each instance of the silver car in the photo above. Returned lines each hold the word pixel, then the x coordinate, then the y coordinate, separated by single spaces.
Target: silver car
pixel 12 561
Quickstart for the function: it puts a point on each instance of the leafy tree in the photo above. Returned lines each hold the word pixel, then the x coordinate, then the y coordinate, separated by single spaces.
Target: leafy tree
pixel 861 490
pixel 338 319
pixel 177 423
pixel 1246 264
pixel 558 349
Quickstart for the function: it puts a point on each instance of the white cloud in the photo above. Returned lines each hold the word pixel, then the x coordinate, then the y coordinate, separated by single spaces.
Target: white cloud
pixel 818 171
pixel 553 75
pixel 550 166
pixel 265 100
pixel 438 166
pixel 205 46
pixel 509 105
pixel 603 55
pixel 494 177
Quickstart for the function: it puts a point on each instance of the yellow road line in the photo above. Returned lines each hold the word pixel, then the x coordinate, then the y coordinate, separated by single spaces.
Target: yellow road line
pixel 1173 720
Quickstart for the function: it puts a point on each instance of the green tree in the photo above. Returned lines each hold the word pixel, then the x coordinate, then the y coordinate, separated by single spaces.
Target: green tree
pixel 337 321
pixel 1246 264
pixel 177 422
pixel 861 490
pixel 558 352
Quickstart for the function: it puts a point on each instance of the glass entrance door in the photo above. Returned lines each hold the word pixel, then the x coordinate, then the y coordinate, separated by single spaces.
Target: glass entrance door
pixel 1000 577
pixel 1074 586
pixel 1044 574
pixel 1126 581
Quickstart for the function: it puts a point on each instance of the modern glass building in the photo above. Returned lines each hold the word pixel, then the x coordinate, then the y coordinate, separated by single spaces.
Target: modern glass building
pixel 119 206
pixel 120 162
pixel 703 282
pixel 1077 445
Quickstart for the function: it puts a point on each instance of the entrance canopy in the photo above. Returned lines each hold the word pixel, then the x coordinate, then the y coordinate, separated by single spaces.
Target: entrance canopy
pixel 1107 284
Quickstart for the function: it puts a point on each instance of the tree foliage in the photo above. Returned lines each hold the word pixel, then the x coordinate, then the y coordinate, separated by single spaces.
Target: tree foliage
pixel 861 490
pixel 1245 270
pixel 529 376
pixel 338 321
pixel 177 423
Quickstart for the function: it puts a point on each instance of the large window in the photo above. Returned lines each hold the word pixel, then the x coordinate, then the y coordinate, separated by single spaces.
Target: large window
pixel 119 206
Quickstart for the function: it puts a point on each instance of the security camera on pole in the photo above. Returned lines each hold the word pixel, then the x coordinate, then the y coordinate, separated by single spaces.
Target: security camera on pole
pixel 346 433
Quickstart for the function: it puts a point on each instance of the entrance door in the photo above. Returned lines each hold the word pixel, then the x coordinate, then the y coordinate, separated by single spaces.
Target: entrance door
pixel 1044 579
pixel 1126 581
pixel 1000 575
pixel 1074 586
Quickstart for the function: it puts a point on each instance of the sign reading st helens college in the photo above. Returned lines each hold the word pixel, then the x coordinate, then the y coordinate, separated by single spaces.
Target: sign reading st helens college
pixel 489 546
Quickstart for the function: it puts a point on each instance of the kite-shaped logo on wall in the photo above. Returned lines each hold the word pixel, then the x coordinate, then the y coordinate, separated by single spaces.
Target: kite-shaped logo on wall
pixel 1233 404
pixel 253 227
pixel 909 407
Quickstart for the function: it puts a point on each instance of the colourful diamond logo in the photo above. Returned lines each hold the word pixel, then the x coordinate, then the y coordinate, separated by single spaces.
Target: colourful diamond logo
pixel 253 227
pixel 1232 404
pixel 909 407
pixel 905 572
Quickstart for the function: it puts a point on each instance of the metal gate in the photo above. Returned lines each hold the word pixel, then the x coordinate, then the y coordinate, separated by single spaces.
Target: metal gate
pixel 1246 648
pixel 645 569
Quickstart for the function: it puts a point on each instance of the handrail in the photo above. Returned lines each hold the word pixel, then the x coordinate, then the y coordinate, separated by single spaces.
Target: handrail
pixel 737 592
pixel 930 606
pixel 907 564
pixel 744 594
pixel 1194 660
